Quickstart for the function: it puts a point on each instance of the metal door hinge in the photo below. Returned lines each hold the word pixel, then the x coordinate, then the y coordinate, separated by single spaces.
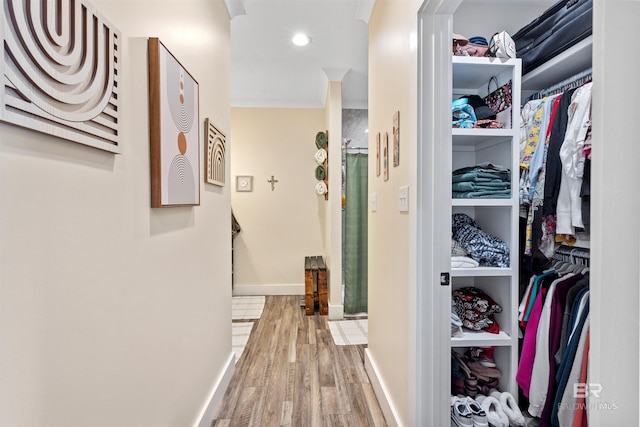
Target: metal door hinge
pixel 444 279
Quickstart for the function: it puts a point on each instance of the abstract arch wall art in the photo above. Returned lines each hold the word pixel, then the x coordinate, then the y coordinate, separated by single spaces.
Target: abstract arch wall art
pixel 216 154
pixel 174 130
pixel 60 70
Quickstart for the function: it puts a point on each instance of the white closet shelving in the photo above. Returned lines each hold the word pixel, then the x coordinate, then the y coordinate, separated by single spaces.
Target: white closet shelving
pixel 498 217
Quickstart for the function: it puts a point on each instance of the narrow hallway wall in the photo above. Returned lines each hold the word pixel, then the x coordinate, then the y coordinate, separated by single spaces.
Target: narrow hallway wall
pixel 113 313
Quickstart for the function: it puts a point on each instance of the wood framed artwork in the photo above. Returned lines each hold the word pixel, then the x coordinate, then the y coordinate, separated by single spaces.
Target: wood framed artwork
pixel 60 69
pixel 385 156
pixel 396 138
pixel 378 154
pixel 174 130
pixel 216 154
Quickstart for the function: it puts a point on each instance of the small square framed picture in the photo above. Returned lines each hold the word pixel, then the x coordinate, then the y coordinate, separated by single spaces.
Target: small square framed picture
pixel 244 183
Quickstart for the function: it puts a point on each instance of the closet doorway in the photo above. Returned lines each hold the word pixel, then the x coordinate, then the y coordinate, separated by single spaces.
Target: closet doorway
pixel 355 161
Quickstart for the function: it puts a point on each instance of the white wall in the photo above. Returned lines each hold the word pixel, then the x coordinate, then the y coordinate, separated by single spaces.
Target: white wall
pixel 113 313
pixel 280 227
pixel 474 19
pixel 392 83
pixel 333 246
pixel 615 238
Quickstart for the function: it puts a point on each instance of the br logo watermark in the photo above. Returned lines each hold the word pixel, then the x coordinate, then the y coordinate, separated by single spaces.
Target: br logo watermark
pixel 588 390
pixel 584 390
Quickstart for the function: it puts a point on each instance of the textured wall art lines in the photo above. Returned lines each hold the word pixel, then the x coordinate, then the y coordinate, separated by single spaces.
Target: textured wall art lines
pixel 174 130
pixel 216 154
pixel 396 138
pixel 60 71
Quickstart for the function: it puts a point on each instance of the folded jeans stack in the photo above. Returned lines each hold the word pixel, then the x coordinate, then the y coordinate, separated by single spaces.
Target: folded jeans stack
pixel 483 181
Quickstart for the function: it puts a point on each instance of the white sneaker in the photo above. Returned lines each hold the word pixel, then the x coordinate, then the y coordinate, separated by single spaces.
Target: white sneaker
pixel 461 415
pixel 478 414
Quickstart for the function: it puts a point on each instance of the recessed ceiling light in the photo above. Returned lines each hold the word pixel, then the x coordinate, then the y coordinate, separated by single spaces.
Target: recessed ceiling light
pixel 301 39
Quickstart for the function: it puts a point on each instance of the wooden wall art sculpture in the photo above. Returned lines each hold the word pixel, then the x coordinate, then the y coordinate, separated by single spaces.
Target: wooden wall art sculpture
pixel 60 71
pixel 216 154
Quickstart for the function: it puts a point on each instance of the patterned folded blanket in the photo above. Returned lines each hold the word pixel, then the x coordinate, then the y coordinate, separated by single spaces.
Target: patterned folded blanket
pixel 476 309
pixel 488 250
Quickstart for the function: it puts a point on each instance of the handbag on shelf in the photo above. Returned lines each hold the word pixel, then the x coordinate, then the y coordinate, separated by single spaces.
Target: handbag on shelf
pixel 500 101
pixel 502 45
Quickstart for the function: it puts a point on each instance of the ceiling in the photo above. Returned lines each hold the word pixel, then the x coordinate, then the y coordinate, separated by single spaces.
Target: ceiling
pixel 268 70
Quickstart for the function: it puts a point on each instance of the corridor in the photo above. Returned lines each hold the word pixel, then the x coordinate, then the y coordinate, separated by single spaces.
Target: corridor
pixel 292 374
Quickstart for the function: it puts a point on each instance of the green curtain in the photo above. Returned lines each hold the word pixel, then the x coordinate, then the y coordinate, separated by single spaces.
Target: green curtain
pixel 355 234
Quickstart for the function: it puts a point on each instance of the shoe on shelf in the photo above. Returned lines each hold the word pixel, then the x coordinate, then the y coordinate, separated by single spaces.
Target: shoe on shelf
pixel 461 415
pixel 470 380
pixel 482 355
pixel 492 407
pixel 477 413
pixel 510 408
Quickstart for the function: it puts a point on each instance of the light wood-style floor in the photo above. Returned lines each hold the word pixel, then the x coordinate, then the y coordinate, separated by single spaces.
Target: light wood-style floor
pixel 292 374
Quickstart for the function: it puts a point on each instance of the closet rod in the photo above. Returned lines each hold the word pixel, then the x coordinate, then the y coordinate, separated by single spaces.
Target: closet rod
pixel 353 150
pixel 572 254
pixel 573 81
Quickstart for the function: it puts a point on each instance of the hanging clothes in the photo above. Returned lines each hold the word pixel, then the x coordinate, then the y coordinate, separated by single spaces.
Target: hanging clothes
pixel 572 157
pixel 554 162
pixel 554 314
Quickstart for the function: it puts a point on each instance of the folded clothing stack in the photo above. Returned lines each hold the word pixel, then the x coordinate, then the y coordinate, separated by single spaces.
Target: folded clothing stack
pixel 483 181
pixel 476 309
pixel 487 250
pixel 456 325
pixel 462 114
pixel 460 257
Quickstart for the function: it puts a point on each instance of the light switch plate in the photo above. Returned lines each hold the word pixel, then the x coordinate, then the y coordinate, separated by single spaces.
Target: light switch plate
pixel 374 202
pixel 403 198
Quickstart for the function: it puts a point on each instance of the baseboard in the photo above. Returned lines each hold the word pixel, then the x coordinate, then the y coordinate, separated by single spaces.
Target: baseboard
pixel 386 405
pixel 336 312
pixel 288 289
pixel 210 407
